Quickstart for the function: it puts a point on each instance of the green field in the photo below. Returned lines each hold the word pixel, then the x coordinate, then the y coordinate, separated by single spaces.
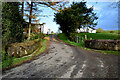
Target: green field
pixel 110 36
pixel 111 31
pixel 93 36
pixel 107 36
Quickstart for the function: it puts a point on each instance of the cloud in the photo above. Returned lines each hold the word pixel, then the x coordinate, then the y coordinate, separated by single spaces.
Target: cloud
pixel 94 7
pixel 107 15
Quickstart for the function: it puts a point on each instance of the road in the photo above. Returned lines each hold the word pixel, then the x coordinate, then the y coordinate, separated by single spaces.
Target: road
pixel 64 61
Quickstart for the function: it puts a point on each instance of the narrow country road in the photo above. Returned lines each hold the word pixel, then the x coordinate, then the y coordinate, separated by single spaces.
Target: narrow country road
pixel 64 61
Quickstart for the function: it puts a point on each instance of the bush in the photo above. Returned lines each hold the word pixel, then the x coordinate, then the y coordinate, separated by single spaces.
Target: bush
pixel 37 36
pixel 34 37
pixel 72 36
pixel 112 31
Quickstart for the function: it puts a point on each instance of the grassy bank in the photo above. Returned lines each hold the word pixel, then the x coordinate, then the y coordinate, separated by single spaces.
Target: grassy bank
pixel 64 38
pixel 10 62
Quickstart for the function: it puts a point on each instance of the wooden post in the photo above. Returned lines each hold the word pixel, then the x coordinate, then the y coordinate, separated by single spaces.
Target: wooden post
pixel 82 38
pixel 90 38
pixel 77 38
pixel 29 31
pixel 85 37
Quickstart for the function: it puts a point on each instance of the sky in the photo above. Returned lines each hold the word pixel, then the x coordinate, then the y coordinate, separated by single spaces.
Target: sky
pixel 107 13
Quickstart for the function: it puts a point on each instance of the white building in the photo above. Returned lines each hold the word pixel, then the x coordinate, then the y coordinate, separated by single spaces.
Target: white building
pixel 45 29
pixel 87 29
pixel 59 31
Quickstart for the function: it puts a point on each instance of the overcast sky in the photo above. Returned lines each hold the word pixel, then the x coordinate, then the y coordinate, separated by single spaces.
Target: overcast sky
pixel 107 13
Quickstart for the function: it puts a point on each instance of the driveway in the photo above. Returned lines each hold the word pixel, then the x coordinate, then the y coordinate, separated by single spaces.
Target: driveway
pixel 64 61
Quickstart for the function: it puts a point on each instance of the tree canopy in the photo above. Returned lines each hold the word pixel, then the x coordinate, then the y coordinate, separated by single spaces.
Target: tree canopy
pixel 74 17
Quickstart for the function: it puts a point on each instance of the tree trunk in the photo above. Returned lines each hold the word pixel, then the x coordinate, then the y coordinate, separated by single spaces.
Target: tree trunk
pixel 29 32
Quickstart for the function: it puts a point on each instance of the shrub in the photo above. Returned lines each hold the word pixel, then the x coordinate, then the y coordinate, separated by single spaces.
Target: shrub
pixel 112 31
pixel 72 36
pixel 38 36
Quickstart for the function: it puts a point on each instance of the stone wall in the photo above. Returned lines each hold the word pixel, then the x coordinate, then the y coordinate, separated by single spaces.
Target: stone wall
pixel 103 44
pixel 22 49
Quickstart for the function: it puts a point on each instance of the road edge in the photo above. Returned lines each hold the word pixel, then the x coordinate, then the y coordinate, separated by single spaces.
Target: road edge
pixel 83 48
pixel 29 60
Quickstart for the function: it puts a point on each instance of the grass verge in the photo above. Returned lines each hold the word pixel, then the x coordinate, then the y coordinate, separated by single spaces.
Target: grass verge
pixel 12 62
pixel 64 38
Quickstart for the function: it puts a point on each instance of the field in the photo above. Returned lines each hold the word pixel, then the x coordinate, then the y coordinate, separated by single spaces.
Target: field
pixel 111 31
pixel 107 36
pixel 110 36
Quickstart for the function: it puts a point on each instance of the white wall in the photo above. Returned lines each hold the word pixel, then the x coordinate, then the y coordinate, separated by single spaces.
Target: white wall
pixel 91 30
pixel 46 29
pixel 82 30
pixel 85 30
pixel 94 31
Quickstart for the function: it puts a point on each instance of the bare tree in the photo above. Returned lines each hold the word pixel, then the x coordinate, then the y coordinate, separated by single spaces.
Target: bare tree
pixel 32 9
pixel 31 15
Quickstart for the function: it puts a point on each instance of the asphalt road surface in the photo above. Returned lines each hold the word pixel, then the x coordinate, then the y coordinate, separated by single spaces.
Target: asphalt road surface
pixel 64 61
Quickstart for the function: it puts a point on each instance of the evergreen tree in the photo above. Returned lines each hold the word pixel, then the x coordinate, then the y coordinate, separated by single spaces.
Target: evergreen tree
pixel 12 30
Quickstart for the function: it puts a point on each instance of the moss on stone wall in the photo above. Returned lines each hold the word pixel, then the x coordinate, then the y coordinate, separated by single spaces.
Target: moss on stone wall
pixel 23 49
pixel 103 44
